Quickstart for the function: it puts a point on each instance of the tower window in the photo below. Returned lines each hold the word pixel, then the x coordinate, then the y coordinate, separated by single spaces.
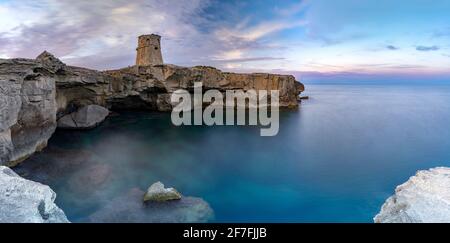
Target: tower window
pixel 156 48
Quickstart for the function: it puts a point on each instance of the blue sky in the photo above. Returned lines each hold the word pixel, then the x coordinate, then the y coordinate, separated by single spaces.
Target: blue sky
pixel 311 38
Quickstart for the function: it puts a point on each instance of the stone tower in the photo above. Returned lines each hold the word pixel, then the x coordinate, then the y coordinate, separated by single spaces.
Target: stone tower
pixel 149 50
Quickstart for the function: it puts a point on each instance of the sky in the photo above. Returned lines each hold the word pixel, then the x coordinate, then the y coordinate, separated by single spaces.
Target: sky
pixel 309 39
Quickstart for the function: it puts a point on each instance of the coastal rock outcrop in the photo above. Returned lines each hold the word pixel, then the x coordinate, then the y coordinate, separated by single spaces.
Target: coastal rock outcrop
pixel 87 117
pixel 157 193
pixel 151 86
pixel 130 209
pixel 24 201
pixel 27 108
pixel 212 78
pixel 36 93
pixel 424 198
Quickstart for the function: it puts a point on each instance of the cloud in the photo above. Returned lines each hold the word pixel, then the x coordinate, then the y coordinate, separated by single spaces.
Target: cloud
pixel 103 34
pixel 251 59
pixel 444 32
pixel 406 66
pixel 236 42
pixel 243 35
pixel 81 30
pixel 252 33
pixel 293 9
pixel 390 66
pixel 392 48
pixel 240 40
pixel 427 48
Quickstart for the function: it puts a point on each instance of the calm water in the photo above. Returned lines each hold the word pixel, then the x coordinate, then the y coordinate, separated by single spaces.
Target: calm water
pixel 336 159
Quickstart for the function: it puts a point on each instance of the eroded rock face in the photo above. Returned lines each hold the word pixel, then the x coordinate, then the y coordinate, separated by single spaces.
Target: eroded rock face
pixel 27 108
pixel 151 86
pixel 87 117
pixel 184 78
pixel 24 201
pixel 158 193
pixel 424 198
pixel 129 208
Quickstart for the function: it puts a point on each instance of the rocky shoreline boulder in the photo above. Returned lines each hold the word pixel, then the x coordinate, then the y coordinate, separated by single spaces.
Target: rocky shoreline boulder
pixel 129 208
pixel 424 198
pixel 157 193
pixel 87 117
pixel 24 201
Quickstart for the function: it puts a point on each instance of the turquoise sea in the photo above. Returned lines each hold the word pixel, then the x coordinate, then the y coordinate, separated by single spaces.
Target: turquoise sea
pixel 336 159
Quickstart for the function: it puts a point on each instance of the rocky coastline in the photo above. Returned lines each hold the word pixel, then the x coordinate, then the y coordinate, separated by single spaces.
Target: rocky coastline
pixel 43 94
pixel 24 201
pixel 424 198
pixel 38 95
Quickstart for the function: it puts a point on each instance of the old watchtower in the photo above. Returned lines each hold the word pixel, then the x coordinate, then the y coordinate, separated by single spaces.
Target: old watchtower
pixel 149 50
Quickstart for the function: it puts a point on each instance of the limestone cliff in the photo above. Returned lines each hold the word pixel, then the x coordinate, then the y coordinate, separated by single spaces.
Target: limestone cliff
pixel 424 198
pixel 24 201
pixel 27 108
pixel 150 86
pixel 35 93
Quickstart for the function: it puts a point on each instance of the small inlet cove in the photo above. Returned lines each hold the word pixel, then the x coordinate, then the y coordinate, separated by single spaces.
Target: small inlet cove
pixel 337 158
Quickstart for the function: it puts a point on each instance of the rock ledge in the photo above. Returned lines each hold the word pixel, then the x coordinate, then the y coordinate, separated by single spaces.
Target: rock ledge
pixel 24 201
pixel 424 198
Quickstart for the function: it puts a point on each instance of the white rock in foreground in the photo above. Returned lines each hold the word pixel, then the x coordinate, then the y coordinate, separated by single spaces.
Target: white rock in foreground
pixel 424 198
pixel 157 193
pixel 24 201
